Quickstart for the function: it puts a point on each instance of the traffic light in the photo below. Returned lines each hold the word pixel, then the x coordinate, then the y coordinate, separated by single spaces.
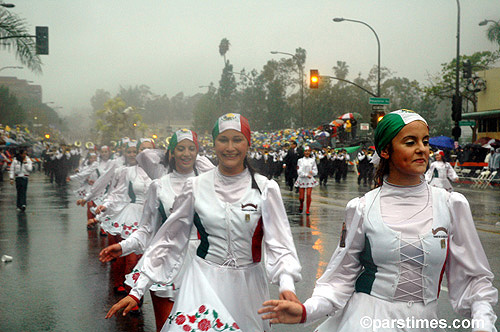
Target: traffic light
pixel 376 116
pixel 314 79
pixel 42 40
pixel 47 136
pixel 467 69
pixel 456 108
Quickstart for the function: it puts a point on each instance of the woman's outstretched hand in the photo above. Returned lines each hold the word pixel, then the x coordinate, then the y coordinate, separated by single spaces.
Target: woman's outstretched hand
pixel 110 252
pixel 290 296
pixel 282 312
pixel 127 302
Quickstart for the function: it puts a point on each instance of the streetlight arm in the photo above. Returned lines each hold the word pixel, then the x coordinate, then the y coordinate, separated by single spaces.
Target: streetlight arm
pixel 378 44
pixel 20 36
pixel 13 67
pixel 347 81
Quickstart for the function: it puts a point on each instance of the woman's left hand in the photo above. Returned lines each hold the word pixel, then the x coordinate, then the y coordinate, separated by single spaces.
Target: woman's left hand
pixel 290 296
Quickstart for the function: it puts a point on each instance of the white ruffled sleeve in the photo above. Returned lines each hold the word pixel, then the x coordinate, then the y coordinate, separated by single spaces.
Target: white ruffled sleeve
pixel 430 172
pixel 450 173
pixel 468 272
pixel 151 220
pixel 150 161
pixel 84 173
pixel 100 184
pixel 282 263
pixel 300 168
pixel 203 164
pixel 117 194
pixel 336 286
pixel 314 168
pixel 165 256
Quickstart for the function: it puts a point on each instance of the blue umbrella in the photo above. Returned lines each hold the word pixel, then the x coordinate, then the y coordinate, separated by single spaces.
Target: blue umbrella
pixel 442 142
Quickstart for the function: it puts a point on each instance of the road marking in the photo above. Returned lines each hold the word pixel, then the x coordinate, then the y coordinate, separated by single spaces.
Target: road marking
pixel 488 231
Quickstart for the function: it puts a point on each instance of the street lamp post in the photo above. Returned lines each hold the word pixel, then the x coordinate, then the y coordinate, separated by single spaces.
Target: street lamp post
pixel 484 22
pixel 456 130
pixel 301 73
pixel 341 19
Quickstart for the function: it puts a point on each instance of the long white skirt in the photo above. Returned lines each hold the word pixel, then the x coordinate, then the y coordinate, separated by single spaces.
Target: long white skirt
pixel 366 313
pixel 220 298
pixel 161 289
pixel 123 221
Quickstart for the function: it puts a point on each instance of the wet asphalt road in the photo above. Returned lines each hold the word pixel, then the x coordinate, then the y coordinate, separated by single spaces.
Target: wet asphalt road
pixel 56 283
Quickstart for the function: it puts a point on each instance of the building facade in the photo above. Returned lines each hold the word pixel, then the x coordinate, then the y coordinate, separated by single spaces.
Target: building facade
pixel 487 117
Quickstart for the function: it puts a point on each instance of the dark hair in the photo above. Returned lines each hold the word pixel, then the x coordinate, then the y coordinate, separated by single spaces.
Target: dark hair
pixel 247 164
pixel 19 153
pixel 443 157
pixel 165 159
pixel 382 168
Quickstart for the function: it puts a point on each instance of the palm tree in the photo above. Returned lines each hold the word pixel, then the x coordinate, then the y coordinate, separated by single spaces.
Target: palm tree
pixel 223 48
pixel 493 33
pixel 14 34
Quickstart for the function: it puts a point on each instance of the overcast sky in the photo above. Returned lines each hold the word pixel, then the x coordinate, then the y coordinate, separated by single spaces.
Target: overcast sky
pixel 172 46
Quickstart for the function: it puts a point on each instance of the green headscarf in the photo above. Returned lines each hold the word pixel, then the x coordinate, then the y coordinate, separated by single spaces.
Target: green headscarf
pixel 391 124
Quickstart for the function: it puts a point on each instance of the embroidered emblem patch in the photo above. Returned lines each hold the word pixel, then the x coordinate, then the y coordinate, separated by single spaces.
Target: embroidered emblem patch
pixel 440 229
pixel 249 207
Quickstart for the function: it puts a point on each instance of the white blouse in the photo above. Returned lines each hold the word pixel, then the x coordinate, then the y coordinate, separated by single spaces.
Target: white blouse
pixel 161 195
pixel 164 257
pixel 467 269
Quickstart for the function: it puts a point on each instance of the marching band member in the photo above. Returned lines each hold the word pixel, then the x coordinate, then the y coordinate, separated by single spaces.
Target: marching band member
pixel 183 148
pixel 396 243
pixel 440 171
pixel 307 170
pixel 233 210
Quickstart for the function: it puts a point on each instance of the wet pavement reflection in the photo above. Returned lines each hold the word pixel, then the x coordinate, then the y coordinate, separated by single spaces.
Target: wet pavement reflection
pixel 56 283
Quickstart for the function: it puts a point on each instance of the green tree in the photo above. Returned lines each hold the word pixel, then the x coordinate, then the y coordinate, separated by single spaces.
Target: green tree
pixel 442 85
pixel 206 112
pixel 224 48
pixel 100 97
pixel 227 90
pixel 136 96
pixel 14 34
pixel 116 120
pixel 156 110
pixel 493 33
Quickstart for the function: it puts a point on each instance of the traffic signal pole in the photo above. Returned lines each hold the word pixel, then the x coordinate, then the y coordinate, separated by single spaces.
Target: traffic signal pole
pixel 356 85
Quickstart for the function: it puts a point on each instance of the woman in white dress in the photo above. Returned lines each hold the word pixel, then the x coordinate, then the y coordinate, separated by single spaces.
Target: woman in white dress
pixel 121 210
pixel 235 213
pixel 306 170
pixel 183 149
pixel 440 171
pixel 397 242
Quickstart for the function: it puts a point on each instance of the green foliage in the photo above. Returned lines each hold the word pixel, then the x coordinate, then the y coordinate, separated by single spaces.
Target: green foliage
pixel 14 34
pixel 115 120
pixel 442 85
pixel 493 33
pixel 135 96
pixel 99 98
pixel 206 112
pixel 224 47
pixel 227 90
